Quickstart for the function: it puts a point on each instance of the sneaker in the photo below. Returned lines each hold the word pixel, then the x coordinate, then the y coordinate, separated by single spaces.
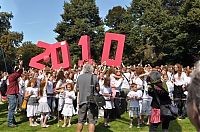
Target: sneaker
pixel 68 125
pixel 138 126
pixel 35 123
pixel 64 125
pixel 12 125
pixel 130 126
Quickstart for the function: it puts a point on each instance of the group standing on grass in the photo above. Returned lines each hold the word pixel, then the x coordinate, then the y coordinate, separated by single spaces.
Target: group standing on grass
pixel 63 93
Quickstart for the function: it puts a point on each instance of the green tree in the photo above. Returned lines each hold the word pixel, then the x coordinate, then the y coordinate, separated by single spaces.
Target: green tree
pixel 81 17
pixel 26 51
pixel 9 40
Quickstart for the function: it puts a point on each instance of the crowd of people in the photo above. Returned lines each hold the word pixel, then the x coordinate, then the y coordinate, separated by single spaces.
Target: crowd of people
pixel 63 93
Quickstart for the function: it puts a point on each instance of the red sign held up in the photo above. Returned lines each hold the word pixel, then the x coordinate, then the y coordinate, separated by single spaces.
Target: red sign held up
pixel 52 50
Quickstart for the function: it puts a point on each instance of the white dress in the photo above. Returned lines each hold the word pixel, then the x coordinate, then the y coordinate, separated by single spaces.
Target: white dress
pixel 68 109
pixel 32 108
pixel 43 105
pixel 109 103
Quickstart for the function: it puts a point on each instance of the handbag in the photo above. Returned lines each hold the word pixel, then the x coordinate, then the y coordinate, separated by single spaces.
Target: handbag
pixel 155 116
pixel 24 103
pixel 168 110
pixel 97 99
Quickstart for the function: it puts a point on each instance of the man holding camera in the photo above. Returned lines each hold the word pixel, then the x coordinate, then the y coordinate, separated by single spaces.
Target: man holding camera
pixel 86 109
pixel 12 92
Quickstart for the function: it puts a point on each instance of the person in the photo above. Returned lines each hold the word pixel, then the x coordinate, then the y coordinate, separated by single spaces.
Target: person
pixel 179 89
pixel 85 91
pixel 159 97
pixel 193 97
pixel 134 96
pixel 107 93
pixel 12 92
pixel 32 106
pixel 43 107
pixel 68 109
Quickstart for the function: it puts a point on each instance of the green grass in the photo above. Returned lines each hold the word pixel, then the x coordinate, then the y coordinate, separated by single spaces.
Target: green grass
pixel 120 125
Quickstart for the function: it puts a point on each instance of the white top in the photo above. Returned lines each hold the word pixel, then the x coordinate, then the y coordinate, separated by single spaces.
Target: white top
pixel 178 81
pixel 33 91
pixel 134 102
pixel 69 96
pixel 145 95
pixel 26 83
pixel 170 86
pixel 49 87
pixel 43 98
pixel 138 81
pixel 21 86
pixel 101 82
pixel 125 83
pixel 106 90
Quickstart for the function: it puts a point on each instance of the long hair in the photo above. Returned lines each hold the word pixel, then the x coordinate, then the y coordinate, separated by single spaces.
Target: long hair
pixel 34 81
pixel 60 76
pixel 42 85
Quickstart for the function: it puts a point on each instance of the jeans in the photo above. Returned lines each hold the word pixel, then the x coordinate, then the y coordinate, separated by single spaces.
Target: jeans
pixel 12 99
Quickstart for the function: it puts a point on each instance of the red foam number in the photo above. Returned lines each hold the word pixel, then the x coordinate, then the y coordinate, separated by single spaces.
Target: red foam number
pixel 35 61
pixel 85 43
pixel 53 50
pixel 64 48
pixel 106 49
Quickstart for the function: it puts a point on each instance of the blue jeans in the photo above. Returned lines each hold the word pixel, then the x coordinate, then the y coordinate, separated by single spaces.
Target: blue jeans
pixel 12 100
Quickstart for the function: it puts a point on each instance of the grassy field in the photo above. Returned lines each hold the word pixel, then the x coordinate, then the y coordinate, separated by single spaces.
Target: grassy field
pixel 119 125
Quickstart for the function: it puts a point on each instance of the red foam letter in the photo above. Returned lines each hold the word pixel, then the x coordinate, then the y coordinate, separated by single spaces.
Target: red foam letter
pixel 39 58
pixel 106 49
pixel 85 43
pixel 65 55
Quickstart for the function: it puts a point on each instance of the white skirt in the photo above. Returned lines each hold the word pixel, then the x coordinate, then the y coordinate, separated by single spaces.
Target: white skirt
pixel 32 110
pixel 68 110
pixel 43 108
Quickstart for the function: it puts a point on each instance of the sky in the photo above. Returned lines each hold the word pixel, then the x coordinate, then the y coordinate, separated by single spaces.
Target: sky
pixel 36 19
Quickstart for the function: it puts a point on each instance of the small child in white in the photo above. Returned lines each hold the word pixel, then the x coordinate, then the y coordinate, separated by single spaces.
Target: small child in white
pixel 134 96
pixel 68 109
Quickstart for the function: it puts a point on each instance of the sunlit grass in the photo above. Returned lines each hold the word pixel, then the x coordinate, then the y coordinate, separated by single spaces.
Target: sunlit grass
pixel 119 125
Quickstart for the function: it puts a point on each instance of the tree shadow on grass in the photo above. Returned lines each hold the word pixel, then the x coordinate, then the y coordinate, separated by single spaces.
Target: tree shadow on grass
pixel 101 128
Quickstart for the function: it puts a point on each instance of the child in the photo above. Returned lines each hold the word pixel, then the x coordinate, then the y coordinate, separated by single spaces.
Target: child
pixel 107 93
pixel 68 109
pixel 43 107
pixel 32 106
pixel 134 96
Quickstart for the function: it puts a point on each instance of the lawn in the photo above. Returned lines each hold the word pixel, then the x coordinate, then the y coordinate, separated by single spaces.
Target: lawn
pixel 119 125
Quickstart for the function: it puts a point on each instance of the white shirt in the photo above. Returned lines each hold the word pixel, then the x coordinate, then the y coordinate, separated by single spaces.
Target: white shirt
pixel 125 83
pixel 106 90
pixel 33 91
pixel 178 81
pixel 69 96
pixel 139 82
pixel 21 87
pixel 134 102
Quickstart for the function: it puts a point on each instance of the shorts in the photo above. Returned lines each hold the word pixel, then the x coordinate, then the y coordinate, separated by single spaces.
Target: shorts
pixel 89 111
pixel 133 110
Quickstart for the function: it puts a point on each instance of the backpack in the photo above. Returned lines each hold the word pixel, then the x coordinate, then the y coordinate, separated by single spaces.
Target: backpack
pixel 3 87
